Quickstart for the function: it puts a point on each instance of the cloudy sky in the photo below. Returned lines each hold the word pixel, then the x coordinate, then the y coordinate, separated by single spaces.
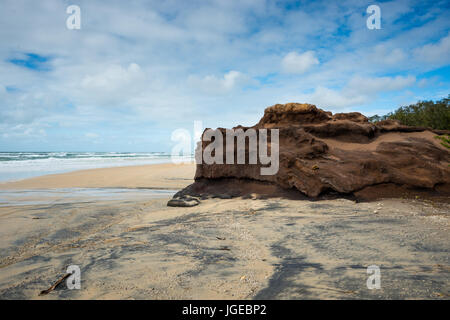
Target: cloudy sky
pixel 138 70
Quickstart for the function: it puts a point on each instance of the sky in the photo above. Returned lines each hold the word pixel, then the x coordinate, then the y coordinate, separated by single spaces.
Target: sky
pixel 136 71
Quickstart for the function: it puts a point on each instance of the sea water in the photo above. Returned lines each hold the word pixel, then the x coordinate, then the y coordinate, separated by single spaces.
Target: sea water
pixel 21 165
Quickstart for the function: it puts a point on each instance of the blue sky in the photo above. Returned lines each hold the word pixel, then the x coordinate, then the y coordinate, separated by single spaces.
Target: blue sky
pixel 138 70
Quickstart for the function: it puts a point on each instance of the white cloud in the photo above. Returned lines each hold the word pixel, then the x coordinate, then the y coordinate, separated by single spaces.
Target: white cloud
pixel 110 85
pixel 294 62
pixel 368 86
pixel 359 90
pixel 214 85
pixel 438 53
pixel 114 77
pixel 326 98
pixel 91 135
pixel 25 131
pixel 386 56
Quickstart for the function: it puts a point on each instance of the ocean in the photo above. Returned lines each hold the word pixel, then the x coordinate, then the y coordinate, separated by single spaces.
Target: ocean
pixel 21 165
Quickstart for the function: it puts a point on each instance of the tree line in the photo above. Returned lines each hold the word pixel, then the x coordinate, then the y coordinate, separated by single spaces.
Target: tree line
pixel 431 114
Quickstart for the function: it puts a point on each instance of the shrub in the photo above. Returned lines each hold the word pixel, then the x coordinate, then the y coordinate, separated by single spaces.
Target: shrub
pixel 430 114
pixel 445 140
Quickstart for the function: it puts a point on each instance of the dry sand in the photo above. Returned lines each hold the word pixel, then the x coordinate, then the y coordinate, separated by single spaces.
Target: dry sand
pixel 156 176
pixel 222 249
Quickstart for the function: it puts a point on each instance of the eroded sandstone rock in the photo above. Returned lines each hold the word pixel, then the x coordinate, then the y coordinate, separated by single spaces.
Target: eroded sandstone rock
pixel 341 154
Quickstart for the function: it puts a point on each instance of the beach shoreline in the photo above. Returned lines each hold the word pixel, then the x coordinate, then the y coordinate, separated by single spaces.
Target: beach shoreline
pixel 151 176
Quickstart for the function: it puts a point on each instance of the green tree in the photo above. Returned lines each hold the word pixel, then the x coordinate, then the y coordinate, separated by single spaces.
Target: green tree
pixel 429 114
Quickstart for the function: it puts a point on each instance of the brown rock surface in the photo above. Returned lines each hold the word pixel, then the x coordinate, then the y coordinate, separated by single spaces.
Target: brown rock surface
pixel 342 154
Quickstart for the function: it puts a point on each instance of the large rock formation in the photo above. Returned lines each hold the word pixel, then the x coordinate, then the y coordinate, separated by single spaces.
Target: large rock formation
pixel 343 154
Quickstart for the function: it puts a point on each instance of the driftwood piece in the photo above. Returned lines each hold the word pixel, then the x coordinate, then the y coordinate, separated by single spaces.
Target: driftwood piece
pixel 56 284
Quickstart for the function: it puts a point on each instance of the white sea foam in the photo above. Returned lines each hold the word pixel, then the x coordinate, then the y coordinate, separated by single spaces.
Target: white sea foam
pixel 21 165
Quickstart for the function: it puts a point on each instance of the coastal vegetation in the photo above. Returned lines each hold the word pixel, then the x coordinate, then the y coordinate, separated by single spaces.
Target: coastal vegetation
pixel 431 114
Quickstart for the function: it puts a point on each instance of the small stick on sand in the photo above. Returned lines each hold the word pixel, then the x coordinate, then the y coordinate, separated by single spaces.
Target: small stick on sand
pixel 53 287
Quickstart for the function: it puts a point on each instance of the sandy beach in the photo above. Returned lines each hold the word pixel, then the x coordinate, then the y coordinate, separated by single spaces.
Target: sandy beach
pixel 157 176
pixel 132 246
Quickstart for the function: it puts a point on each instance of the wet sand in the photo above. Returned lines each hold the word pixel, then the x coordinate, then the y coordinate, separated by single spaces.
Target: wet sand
pixel 135 247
